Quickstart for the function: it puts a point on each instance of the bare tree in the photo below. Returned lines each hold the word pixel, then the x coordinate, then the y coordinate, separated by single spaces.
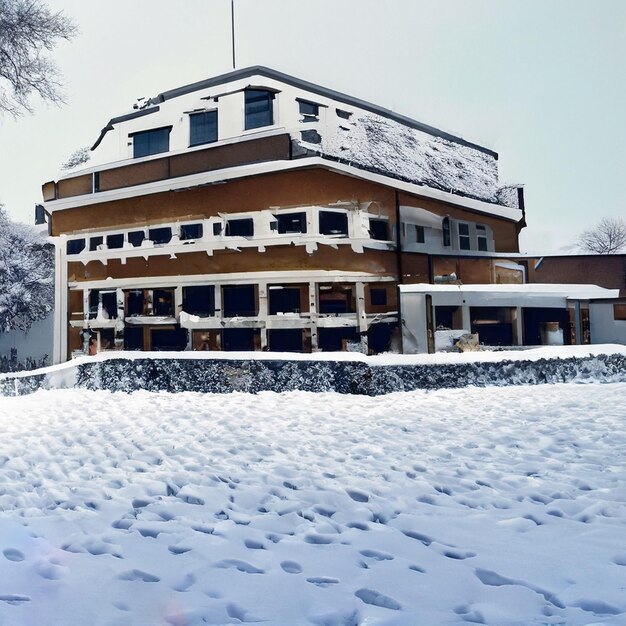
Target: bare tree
pixel 607 237
pixel 28 31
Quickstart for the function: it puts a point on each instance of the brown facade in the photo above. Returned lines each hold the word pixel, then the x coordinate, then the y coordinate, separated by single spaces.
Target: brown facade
pixel 605 270
pixel 505 233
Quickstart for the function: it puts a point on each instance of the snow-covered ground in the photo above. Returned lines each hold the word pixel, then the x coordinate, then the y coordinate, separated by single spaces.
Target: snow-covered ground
pixel 493 506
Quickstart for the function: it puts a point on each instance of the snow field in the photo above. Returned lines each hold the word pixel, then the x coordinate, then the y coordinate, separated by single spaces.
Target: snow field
pixel 493 506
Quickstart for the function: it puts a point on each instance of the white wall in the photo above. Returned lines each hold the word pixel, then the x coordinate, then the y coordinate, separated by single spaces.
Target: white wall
pixel 605 329
pixel 36 343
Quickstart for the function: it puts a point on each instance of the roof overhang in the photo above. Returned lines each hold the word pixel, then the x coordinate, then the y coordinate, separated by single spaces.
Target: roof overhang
pixel 244 171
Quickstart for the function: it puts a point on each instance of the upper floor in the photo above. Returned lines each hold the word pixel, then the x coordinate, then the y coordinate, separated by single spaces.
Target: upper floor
pixel 258 115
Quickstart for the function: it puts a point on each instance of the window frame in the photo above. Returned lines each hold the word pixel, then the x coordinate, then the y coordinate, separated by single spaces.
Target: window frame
pixel 327 231
pixel 464 238
pixel 212 138
pixel 250 121
pixel 146 133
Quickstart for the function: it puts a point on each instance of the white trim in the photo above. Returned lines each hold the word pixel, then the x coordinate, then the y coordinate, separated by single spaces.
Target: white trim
pixel 234 173
pixel 235 278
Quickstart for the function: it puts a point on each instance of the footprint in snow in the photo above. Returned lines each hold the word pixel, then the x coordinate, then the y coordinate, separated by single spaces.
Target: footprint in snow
pixel 322 581
pixel 13 554
pixel 49 571
pixel 459 555
pixel 369 596
pixel 185 584
pixel 377 555
pixel 291 567
pixel 358 496
pixel 137 574
pixel 14 598
pixel 178 549
pixel 241 566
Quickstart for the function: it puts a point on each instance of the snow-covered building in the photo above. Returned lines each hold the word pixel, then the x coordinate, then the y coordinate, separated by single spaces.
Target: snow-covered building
pixel 257 211
pixel 434 317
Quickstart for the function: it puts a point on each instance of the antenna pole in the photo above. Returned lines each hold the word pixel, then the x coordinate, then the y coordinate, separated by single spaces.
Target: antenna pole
pixel 232 28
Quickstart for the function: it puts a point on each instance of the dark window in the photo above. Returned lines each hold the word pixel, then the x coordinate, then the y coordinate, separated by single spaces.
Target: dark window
pixel 291 223
pixel 115 241
pixel 311 136
pixel 378 296
pixel 133 338
pixel 160 235
pixel 414 233
pixel 309 109
pixel 335 339
pixel 94 242
pixel 240 228
pixel 150 142
pixel 164 339
pixel 481 237
pixel 464 237
pixel 335 299
pixel 333 223
pixel 445 235
pixel 379 229
pixel 239 300
pixel 163 302
pixel 96 182
pixel 287 340
pixel 199 300
pixel 619 312
pixel 109 304
pixel 134 302
pixel 190 231
pixel 136 237
pixel 202 128
pixel 217 229
pixel 259 104
pixel 108 300
pixel 284 300
pixel 343 114
pixel 240 339
pixel 75 246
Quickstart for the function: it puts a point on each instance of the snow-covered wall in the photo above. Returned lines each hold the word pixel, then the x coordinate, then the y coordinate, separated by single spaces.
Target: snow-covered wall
pixel 358 376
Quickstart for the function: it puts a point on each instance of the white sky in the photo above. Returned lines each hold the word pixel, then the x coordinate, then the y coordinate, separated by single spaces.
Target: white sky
pixel 542 83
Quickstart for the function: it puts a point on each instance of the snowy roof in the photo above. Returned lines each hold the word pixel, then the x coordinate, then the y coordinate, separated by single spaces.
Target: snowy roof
pixel 386 146
pixel 376 139
pixel 571 291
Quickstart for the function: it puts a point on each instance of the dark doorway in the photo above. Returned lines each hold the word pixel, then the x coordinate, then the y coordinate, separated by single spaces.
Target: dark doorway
pixel 379 337
pixel 534 318
pixel 494 325
pixel 240 339
pixel 133 338
pixel 284 299
pixel 285 340
pixel 333 339
pixel 168 339
pixel 199 300
pixel 239 301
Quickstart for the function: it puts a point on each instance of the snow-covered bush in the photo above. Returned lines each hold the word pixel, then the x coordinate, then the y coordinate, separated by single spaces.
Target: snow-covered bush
pixel 26 275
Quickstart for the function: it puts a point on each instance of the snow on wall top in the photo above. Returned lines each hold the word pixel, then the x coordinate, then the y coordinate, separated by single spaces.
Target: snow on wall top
pixel 385 146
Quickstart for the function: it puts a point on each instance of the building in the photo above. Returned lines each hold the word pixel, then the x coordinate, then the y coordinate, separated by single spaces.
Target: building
pixel 257 211
pixel 435 316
